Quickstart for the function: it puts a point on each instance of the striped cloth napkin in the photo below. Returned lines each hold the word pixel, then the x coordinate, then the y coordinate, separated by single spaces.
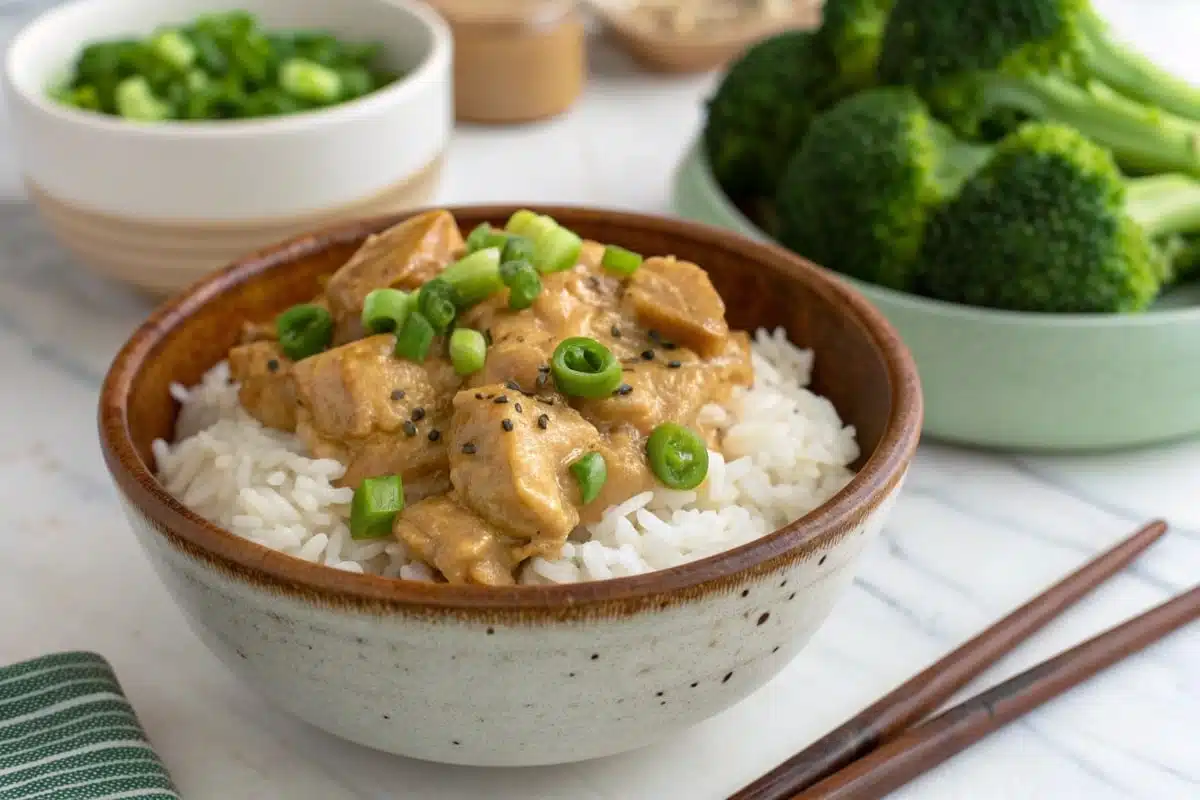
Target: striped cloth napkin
pixel 68 733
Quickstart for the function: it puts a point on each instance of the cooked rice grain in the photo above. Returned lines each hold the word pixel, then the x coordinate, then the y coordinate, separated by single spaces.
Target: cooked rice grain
pixel 786 451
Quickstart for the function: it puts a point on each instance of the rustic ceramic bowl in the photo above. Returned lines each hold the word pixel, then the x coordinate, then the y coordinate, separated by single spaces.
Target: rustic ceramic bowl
pixel 519 675
pixel 158 205
pixel 1018 381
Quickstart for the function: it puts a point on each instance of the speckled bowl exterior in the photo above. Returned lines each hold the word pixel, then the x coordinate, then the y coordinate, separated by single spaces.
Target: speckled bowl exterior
pixel 1008 380
pixel 516 675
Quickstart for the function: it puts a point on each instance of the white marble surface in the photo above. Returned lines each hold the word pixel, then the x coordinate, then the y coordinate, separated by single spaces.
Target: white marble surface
pixel 974 536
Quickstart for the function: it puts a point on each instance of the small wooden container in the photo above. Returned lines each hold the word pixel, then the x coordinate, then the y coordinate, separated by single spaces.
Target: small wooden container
pixel 668 51
pixel 515 60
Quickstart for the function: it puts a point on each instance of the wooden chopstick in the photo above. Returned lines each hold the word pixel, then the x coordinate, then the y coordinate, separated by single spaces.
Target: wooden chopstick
pixel 955 729
pixel 919 696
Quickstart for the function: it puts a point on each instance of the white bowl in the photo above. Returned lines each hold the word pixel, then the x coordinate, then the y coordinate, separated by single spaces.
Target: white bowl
pixel 158 204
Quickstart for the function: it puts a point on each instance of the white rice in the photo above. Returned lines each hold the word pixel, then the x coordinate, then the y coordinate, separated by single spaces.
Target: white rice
pixel 786 451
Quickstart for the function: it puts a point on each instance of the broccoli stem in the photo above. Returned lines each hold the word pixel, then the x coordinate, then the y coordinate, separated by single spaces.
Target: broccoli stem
pixel 1164 204
pixel 1141 137
pixel 959 159
pixel 1134 75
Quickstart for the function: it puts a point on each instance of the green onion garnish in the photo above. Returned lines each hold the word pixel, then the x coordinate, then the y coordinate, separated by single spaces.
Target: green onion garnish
pixel 376 503
pixel 438 301
pixel 485 236
pixel 517 248
pixel 590 472
pixel 475 277
pixel 414 339
pixel 304 330
pixel 677 456
pixel 620 261
pixel 523 283
pixel 583 367
pixel 136 100
pixel 468 350
pixel 385 310
pixel 558 250
pixel 308 80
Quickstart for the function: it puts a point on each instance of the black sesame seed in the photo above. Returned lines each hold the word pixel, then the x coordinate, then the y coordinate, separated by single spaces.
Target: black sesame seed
pixel 410 429
pixel 434 435
pixel 517 407
pixel 616 332
pixel 501 400
pixel 542 380
pixel 543 421
pixel 623 389
pixel 418 414
pixel 674 364
pixel 469 448
pixel 647 355
pixel 397 394
pixel 273 365
pixel 507 425
pixel 479 395
pixel 516 387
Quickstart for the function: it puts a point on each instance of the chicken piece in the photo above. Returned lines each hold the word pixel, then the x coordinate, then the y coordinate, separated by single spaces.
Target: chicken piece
pixel 267 391
pixel 258 332
pixel 511 467
pixel 464 548
pixel 676 299
pixel 373 412
pixel 404 256
pixel 662 392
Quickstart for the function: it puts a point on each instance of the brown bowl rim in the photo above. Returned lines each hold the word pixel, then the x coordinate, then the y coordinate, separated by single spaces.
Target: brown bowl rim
pixel 286 574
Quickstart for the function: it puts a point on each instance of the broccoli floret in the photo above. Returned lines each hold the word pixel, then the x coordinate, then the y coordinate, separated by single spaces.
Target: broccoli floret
pixel 851 34
pixel 975 61
pixel 763 106
pixel 1050 225
pixel 761 111
pixel 857 194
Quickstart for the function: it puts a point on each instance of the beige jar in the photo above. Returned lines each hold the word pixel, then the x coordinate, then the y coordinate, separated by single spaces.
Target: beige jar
pixel 515 60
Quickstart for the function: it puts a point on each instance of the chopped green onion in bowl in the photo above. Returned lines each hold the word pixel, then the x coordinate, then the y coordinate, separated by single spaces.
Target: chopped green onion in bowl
pixel 220 66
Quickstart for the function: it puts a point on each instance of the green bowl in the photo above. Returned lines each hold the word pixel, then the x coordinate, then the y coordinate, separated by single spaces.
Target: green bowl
pixel 1010 380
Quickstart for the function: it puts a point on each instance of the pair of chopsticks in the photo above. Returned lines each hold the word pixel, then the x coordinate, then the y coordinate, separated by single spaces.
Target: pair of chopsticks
pixel 877 751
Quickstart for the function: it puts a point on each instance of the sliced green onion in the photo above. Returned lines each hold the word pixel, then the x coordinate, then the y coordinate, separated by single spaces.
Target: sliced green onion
pixel 529 224
pixel 173 47
pixel 438 302
pixel 583 367
pixel 485 236
pixel 677 456
pixel 385 310
pixel 523 282
pixel 468 350
pixel 310 81
pixel 517 248
pixel 620 261
pixel 555 248
pixel 376 503
pixel 414 339
pixel 135 100
pixel 558 250
pixel 304 330
pixel 590 471
pixel 475 277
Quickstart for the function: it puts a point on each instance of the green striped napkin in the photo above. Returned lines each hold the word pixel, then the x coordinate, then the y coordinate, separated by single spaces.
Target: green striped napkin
pixel 68 733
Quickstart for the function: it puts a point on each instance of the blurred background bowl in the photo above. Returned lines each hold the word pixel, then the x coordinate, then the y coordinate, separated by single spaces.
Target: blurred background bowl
pixel 158 205
pixel 1011 380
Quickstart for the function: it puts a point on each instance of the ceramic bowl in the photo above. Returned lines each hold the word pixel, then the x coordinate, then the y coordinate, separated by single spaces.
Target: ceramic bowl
pixel 159 205
pixel 1010 380
pixel 519 675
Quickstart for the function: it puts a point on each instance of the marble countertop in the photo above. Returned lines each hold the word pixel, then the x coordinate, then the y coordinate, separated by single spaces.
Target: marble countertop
pixel 973 536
